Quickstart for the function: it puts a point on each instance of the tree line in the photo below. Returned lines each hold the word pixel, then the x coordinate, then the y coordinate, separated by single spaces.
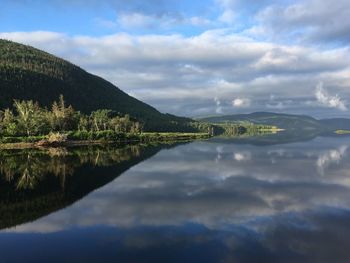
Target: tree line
pixel 29 119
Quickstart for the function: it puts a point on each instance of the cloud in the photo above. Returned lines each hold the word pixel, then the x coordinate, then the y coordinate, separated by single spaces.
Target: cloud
pixel 333 156
pixel 233 12
pixel 280 104
pixel 179 74
pixel 241 102
pixel 141 20
pixel 189 187
pixel 319 21
pixel 218 109
pixel 242 156
pixel 228 17
pixel 146 6
pixel 327 100
pixel 276 105
pixel 136 20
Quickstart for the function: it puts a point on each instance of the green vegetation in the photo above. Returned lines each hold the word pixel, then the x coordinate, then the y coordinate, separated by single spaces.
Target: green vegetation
pixel 144 137
pixel 29 119
pixel 28 74
pixel 282 121
pixel 29 123
pixel 342 131
pixel 289 122
pixel 233 128
pixel 243 128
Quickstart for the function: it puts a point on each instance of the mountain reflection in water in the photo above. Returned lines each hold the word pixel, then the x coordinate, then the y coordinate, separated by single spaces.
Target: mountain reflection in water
pixel 36 182
pixel 209 201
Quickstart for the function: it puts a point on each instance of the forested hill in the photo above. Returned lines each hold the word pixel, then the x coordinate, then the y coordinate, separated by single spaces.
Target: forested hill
pixel 338 123
pixel 284 121
pixel 27 73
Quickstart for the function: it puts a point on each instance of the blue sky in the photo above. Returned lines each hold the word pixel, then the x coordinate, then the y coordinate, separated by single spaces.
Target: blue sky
pixel 198 58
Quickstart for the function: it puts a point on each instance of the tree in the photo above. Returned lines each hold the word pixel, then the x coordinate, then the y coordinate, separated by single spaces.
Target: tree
pixel 1 123
pixel 100 119
pixel 63 118
pixel 115 124
pixel 125 123
pixel 30 117
pixel 136 127
pixel 8 123
pixel 84 123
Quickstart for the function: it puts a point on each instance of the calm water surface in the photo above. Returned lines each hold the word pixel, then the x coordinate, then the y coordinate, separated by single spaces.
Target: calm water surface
pixel 207 201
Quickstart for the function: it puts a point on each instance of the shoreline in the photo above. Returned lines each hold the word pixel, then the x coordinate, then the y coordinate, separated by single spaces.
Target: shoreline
pixel 135 138
pixel 342 132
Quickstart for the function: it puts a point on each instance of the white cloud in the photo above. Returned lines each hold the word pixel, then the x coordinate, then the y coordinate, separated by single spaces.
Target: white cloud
pixel 179 74
pixel 228 17
pixel 241 102
pixel 136 20
pixel 218 109
pixel 141 20
pixel 242 156
pixel 198 21
pixel 37 38
pixel 333 156
pixel 327 100
pixel 255 191
pixel 311 20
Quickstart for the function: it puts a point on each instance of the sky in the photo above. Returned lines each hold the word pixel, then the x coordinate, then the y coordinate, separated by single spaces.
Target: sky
pixel 201 57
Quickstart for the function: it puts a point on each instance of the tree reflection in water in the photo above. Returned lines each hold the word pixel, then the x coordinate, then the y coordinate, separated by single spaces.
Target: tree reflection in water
pixel 36 182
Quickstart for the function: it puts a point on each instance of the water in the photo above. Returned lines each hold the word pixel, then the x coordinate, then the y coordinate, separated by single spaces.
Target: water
pixel 220 200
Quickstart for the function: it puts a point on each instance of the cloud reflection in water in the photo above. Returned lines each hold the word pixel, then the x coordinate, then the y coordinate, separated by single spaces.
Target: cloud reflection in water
pixel 285 211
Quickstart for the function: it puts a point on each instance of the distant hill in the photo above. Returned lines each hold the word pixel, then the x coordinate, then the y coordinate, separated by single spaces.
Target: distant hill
pixel 290 122
pixel 284 121
pixel 337 123
pixel 27 73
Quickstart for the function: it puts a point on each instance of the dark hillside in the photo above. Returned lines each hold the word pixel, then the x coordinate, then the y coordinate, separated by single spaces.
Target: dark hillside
pixel 27 73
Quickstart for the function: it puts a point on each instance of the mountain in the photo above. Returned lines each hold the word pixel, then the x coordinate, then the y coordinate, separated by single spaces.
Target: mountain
pixel 27 73
pixel 33 186
pixel 296 127
pixel 284 121
pixel 337 123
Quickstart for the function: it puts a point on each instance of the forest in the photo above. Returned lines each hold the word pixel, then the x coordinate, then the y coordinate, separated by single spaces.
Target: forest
pixel 29 119
pixel 99 109
pixel 28 122
pixel 27 73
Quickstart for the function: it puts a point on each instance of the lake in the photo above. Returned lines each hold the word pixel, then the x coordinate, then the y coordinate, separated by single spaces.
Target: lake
pixel 221 200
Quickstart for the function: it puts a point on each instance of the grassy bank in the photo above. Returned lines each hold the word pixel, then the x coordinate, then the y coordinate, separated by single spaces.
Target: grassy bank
pixel 89 138
pixel 342 132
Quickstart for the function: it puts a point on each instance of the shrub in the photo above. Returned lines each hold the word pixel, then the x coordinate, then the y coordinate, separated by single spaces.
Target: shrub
pixel 21 139
pixel 107 135
pixel 57 137
pixel 80 135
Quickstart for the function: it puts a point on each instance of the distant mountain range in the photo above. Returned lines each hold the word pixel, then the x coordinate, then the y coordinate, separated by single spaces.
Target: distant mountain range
pixel 297 127
pixel 284 121
pixel 27 73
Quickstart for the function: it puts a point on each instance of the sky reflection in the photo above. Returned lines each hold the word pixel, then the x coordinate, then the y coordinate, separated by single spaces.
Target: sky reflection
pixel 284 202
